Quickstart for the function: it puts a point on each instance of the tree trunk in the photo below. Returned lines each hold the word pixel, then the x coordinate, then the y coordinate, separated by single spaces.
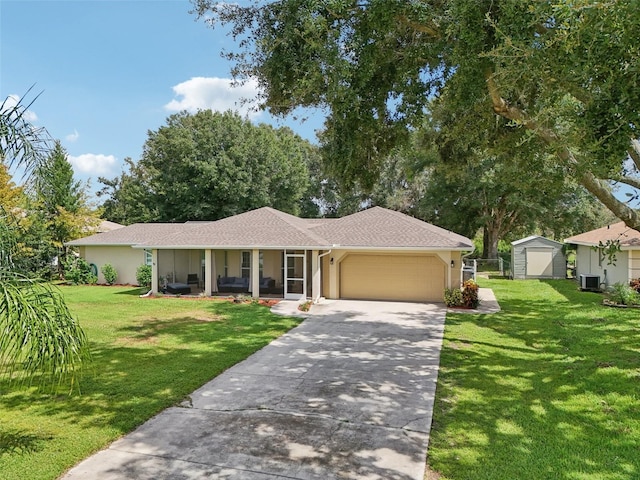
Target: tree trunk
pixel 490 241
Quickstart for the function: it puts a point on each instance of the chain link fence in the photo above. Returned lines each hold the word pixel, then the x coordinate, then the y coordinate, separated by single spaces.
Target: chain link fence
pixel 486 266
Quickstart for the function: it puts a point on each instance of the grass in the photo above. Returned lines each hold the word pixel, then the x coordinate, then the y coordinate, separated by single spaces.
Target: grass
pixel 148 354
pixel 549 388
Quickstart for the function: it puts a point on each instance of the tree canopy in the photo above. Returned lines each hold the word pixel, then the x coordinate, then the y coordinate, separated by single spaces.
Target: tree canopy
pixel 562 76
pixel 206 166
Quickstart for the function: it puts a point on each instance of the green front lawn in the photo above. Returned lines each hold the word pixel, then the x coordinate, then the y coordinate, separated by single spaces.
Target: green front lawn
pixel 547 389
pixel 148 354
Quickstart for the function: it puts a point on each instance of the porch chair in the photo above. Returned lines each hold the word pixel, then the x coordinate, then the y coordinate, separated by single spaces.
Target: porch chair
pixel 192 279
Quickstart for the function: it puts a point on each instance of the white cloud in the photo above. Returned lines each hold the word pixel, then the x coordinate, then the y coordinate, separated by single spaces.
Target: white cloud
pixel 93 164
pixel 217 94
pixel 11 101
pixel 72 137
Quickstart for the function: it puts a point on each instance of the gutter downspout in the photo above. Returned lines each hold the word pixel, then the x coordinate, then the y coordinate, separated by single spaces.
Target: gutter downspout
pixel 316 300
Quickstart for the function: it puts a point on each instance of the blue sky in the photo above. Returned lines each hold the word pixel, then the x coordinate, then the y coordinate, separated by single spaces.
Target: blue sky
pixel 109 71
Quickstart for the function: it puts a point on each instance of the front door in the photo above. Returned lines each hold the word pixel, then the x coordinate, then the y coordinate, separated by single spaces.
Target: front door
pixel 295 282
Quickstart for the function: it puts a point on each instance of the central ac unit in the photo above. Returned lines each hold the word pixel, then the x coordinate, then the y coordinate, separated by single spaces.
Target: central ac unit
pixel 590 283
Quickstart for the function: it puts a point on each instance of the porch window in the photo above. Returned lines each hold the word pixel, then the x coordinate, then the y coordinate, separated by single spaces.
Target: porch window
pixel 148 257
pixel 245 266
pixel 226 264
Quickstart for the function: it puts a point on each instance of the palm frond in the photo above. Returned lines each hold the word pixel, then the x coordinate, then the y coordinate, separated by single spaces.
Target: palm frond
pixel 38 334
pixel 21 143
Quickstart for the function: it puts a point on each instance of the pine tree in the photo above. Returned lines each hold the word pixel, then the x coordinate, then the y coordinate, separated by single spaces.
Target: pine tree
pixel 62 202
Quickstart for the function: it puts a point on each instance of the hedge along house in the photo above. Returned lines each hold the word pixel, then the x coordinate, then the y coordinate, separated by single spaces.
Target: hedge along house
pixel 592 260
pixel 537 257
pixel 376 254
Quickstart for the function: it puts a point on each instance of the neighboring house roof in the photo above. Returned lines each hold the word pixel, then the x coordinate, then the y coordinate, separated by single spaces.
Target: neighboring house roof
pixel 269 228
pixel 533 237
pixel 628 237
pixel 107 226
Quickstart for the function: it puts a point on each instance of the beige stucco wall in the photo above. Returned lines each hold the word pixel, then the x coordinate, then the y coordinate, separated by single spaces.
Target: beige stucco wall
pixel 272 265
pixel 124 259
pixel 589 262
pixel 331 278
pixel 176 265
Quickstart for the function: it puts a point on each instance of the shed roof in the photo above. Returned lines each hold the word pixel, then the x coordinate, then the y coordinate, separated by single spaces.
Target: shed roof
pixel 534 237
pixel 628 237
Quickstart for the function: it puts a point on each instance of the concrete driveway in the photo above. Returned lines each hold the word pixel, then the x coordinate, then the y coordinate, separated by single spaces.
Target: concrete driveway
pixel 348 394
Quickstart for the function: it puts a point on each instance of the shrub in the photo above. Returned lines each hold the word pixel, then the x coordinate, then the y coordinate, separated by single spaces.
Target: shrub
pixel 109 273
pixel 635 284
pixel 305 306
pixel 143 275
pixel 470 294
pixel 242 298
pixel 78 271
pixel 452 297
pixel 623 294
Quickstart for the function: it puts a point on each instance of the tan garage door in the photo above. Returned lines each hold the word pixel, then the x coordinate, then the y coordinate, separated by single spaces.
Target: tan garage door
pixel 392 277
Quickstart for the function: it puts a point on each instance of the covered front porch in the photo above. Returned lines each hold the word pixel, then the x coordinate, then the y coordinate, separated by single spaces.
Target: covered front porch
pixel 281 273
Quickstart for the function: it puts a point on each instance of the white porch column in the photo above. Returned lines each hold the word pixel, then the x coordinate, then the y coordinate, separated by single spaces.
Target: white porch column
pixel 207 272
pixel 255 273
pixel 316 279
pixel 154 270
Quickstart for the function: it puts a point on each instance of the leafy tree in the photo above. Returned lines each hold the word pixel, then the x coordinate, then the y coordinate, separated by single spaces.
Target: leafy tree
pixel 326 196
pixel 39 335
pixel 127 196
pixel 483 195
pixel 62 203
pixel 207 166
pixel 12 197
pixel 562 75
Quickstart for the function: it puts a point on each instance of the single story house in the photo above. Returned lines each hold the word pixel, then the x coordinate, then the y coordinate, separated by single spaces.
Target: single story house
pixel 591 260
pixel 372 254
pixel 537 257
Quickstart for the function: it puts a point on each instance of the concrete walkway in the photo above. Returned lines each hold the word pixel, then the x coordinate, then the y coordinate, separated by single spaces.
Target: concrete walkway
pixel 348 394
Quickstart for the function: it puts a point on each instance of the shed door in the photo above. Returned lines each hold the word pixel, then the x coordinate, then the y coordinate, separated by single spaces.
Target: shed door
pixel 539 262
pixel 392 277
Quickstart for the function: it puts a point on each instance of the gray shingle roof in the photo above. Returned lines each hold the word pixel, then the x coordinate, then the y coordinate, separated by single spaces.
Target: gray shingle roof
pixel 383 228
pixel 269 228
pixel 265 227
pixel 132 234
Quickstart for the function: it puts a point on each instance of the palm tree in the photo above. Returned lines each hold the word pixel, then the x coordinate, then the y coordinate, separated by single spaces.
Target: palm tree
pixel 39 338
